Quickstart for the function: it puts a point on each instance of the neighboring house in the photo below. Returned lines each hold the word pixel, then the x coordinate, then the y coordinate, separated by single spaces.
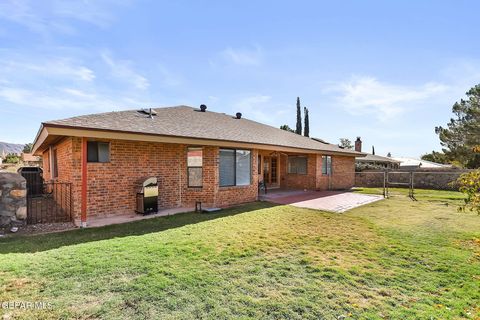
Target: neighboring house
pixel 197 155
pixel 377 162
pixel 29 159
pixel 372 161
pixel 412 163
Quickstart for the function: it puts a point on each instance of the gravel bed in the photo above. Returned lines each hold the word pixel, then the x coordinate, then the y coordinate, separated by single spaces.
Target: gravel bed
pixel 32 229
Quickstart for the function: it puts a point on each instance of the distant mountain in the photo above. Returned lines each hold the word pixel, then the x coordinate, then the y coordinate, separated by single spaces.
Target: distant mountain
pixel 10 148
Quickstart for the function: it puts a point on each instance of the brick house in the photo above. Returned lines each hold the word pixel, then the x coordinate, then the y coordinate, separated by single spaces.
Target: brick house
pixel 196 155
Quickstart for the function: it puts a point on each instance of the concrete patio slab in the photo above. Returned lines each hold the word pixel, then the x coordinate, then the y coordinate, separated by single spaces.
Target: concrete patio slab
pixel 334 201
pixel 100 221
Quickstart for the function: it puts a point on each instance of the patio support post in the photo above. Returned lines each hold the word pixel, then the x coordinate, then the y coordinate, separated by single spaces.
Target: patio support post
pixel 83 223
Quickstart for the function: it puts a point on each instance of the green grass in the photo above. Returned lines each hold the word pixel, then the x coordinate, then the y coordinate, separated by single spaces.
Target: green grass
pixel 394 259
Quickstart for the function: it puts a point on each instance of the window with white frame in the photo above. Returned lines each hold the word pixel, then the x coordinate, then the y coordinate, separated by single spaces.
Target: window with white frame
pixel 195 167
pixel 327 165
pixel 235 167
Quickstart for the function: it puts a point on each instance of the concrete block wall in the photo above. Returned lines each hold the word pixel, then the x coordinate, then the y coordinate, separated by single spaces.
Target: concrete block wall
pixel 436 180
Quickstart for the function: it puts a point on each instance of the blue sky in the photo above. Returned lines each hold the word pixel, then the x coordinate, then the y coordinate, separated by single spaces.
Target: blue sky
pixel 388 71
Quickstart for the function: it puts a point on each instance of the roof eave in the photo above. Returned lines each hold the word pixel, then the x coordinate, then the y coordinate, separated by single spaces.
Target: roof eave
pixel 50 129
pixel 39 138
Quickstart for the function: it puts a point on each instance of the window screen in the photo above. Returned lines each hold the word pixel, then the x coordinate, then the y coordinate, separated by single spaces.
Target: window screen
pixel 194 167
pixel 227 168
pixel 235 167
pixel 297 164
pixel 326 165
pixel 243 167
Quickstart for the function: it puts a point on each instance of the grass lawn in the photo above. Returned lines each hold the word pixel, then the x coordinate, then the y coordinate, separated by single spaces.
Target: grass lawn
pixel 394 259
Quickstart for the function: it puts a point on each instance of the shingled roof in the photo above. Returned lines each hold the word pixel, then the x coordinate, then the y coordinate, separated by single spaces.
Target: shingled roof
pixel 184 121
pixel 374 158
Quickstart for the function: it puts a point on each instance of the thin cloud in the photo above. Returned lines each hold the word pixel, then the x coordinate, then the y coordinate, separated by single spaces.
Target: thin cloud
pixel 123 70
pixel 49 67
pixel 367 95
pixel 169 78
pixel 67 99
pixel 243 56
pixel 64 83
pixel 55 16
pixel 260 108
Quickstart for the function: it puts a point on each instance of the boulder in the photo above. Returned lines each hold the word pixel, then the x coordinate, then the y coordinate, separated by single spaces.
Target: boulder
pixel 21 213
pixel 18 193
pixel 13 196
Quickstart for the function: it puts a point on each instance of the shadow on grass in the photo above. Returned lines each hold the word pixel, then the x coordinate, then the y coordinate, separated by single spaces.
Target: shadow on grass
pixel 43 242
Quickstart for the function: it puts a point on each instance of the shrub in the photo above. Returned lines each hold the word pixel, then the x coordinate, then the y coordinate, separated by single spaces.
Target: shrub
pixel 469 184
pixel 12 158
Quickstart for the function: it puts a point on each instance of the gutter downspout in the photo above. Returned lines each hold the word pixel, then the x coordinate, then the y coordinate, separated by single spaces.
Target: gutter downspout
pixel 83 223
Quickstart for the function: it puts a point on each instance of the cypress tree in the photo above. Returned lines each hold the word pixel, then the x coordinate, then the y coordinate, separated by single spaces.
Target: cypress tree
pixel 306 128
pixel 299 118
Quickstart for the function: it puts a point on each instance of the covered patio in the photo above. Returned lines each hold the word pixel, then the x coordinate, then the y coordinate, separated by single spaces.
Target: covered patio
pixel 333 201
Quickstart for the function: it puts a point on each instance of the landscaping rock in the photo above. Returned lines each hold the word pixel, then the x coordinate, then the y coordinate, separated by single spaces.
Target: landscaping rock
pixel 21 213
pixel 13 200
pixel 18 193
pixel 4 220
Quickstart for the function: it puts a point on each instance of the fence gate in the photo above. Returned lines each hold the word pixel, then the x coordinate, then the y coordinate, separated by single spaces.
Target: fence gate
pixel 49 202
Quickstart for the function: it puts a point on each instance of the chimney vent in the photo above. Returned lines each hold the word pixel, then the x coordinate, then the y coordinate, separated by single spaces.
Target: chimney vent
pixel 148 111
pixel 238 115
pixel 358 144
pixel 203 108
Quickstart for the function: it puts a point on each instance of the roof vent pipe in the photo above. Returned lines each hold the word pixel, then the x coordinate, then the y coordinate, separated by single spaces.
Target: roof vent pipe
pixel 238 115
pixel 203 108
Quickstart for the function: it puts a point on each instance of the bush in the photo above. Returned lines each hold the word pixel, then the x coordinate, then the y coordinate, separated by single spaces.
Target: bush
pixel 12 158
pixel 469 184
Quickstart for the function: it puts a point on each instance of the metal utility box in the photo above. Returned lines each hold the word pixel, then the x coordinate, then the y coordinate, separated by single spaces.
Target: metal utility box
pixel 147 196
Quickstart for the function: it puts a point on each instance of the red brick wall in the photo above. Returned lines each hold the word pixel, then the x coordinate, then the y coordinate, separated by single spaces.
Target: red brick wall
pixel 298 181
pixel 65 170
pixel 46 166
pixel 343 169
pixel 64 162
pixel 322 180
pixel 112 186
pixel 343 174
